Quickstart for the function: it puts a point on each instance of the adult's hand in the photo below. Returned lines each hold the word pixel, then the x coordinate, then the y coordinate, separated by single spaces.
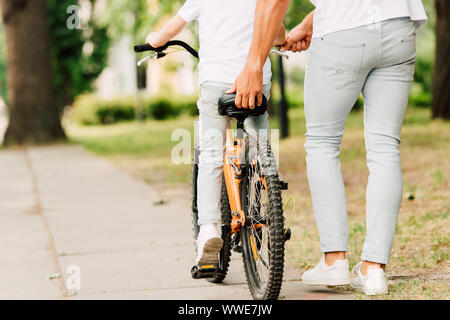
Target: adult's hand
pixel 299 39
pixel 248 87
pixel 268 19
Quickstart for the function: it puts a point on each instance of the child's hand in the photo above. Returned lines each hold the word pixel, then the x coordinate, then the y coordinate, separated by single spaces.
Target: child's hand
pixel 170 30
pixel 153 40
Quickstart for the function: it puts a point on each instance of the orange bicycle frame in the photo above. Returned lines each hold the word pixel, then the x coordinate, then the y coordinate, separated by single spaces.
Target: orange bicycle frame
pixel 233 177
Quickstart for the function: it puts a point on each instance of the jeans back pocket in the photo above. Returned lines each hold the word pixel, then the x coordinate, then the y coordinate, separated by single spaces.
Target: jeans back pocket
pixel 340 62
pixel 408 47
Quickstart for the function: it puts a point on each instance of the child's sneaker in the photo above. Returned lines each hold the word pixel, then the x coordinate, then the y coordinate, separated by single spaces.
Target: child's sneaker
pixel 374 283
pixel 209 244
pixel 323 275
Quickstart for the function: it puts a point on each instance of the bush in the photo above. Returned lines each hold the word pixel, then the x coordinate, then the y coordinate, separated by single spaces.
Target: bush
pixel 94 110
pixel 84 110
pixel 421 99
pixel 112 111
pixel 189 107
pixel 161 109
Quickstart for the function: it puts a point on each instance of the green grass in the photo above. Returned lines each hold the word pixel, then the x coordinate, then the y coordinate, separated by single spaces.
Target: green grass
pixel 420 261
pixel 137 138
pixel 142 148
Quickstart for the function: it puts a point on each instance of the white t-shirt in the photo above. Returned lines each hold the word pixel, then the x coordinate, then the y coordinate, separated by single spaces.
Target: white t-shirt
pixel 337 15
pixel 226 30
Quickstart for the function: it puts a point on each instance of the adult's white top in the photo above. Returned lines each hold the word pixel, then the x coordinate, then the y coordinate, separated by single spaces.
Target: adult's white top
pixel 225 31
pixel 337 15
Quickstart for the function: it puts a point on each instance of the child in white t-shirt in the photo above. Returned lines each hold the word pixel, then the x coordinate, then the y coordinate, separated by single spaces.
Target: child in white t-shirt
pixel 225 31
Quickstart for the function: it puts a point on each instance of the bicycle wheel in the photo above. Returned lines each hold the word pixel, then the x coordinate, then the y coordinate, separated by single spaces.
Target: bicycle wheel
pixel 225 253
pixel 262 237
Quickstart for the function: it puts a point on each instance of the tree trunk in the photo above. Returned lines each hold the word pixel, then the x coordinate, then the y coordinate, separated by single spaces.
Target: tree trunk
pixel 34 114
pixel 441 81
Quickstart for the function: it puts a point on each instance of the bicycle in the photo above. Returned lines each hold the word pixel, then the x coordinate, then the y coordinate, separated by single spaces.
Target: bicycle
pixel 251 202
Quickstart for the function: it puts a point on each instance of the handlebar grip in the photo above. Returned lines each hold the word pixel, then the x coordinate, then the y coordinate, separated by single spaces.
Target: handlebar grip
pixel 143 48
pixel 147 47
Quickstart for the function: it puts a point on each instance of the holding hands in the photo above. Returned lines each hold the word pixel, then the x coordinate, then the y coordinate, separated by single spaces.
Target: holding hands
pixel 248 85
pixel 299 39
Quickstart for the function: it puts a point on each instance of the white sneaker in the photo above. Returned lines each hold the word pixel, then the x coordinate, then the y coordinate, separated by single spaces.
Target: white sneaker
pixel 323 275
pixel 374 283
pixel 209 244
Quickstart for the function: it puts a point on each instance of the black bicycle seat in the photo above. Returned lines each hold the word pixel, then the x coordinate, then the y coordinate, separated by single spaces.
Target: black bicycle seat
pixel 228 108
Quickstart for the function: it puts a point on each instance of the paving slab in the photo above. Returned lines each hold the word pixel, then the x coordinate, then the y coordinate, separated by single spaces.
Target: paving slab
pixel 25 244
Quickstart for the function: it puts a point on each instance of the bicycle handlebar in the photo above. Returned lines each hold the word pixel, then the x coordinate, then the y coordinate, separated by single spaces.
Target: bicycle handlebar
pixel 143 48
pixel 147 47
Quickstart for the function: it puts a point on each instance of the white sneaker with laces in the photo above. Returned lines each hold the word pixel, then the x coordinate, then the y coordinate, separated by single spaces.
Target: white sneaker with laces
pixel 374 283
pixel 209 244
pixel 324 275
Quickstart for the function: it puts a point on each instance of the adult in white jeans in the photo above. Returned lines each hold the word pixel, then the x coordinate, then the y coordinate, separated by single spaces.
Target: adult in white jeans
pixel 355 46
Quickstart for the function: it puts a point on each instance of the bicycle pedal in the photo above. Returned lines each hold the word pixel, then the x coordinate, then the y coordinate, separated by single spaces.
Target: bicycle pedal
pixel 204 271
pixel 284 185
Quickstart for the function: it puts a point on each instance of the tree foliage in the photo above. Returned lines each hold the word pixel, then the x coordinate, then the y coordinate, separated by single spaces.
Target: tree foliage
pixel 78 55
pixel 136 17
pixel 298 10
pixel 426 48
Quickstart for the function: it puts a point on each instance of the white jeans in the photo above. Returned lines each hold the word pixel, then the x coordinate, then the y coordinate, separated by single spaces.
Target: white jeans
pixel 212 130
pixel 379 61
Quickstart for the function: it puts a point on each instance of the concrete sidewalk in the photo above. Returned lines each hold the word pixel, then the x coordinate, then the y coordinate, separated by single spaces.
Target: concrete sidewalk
pixel 60 206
